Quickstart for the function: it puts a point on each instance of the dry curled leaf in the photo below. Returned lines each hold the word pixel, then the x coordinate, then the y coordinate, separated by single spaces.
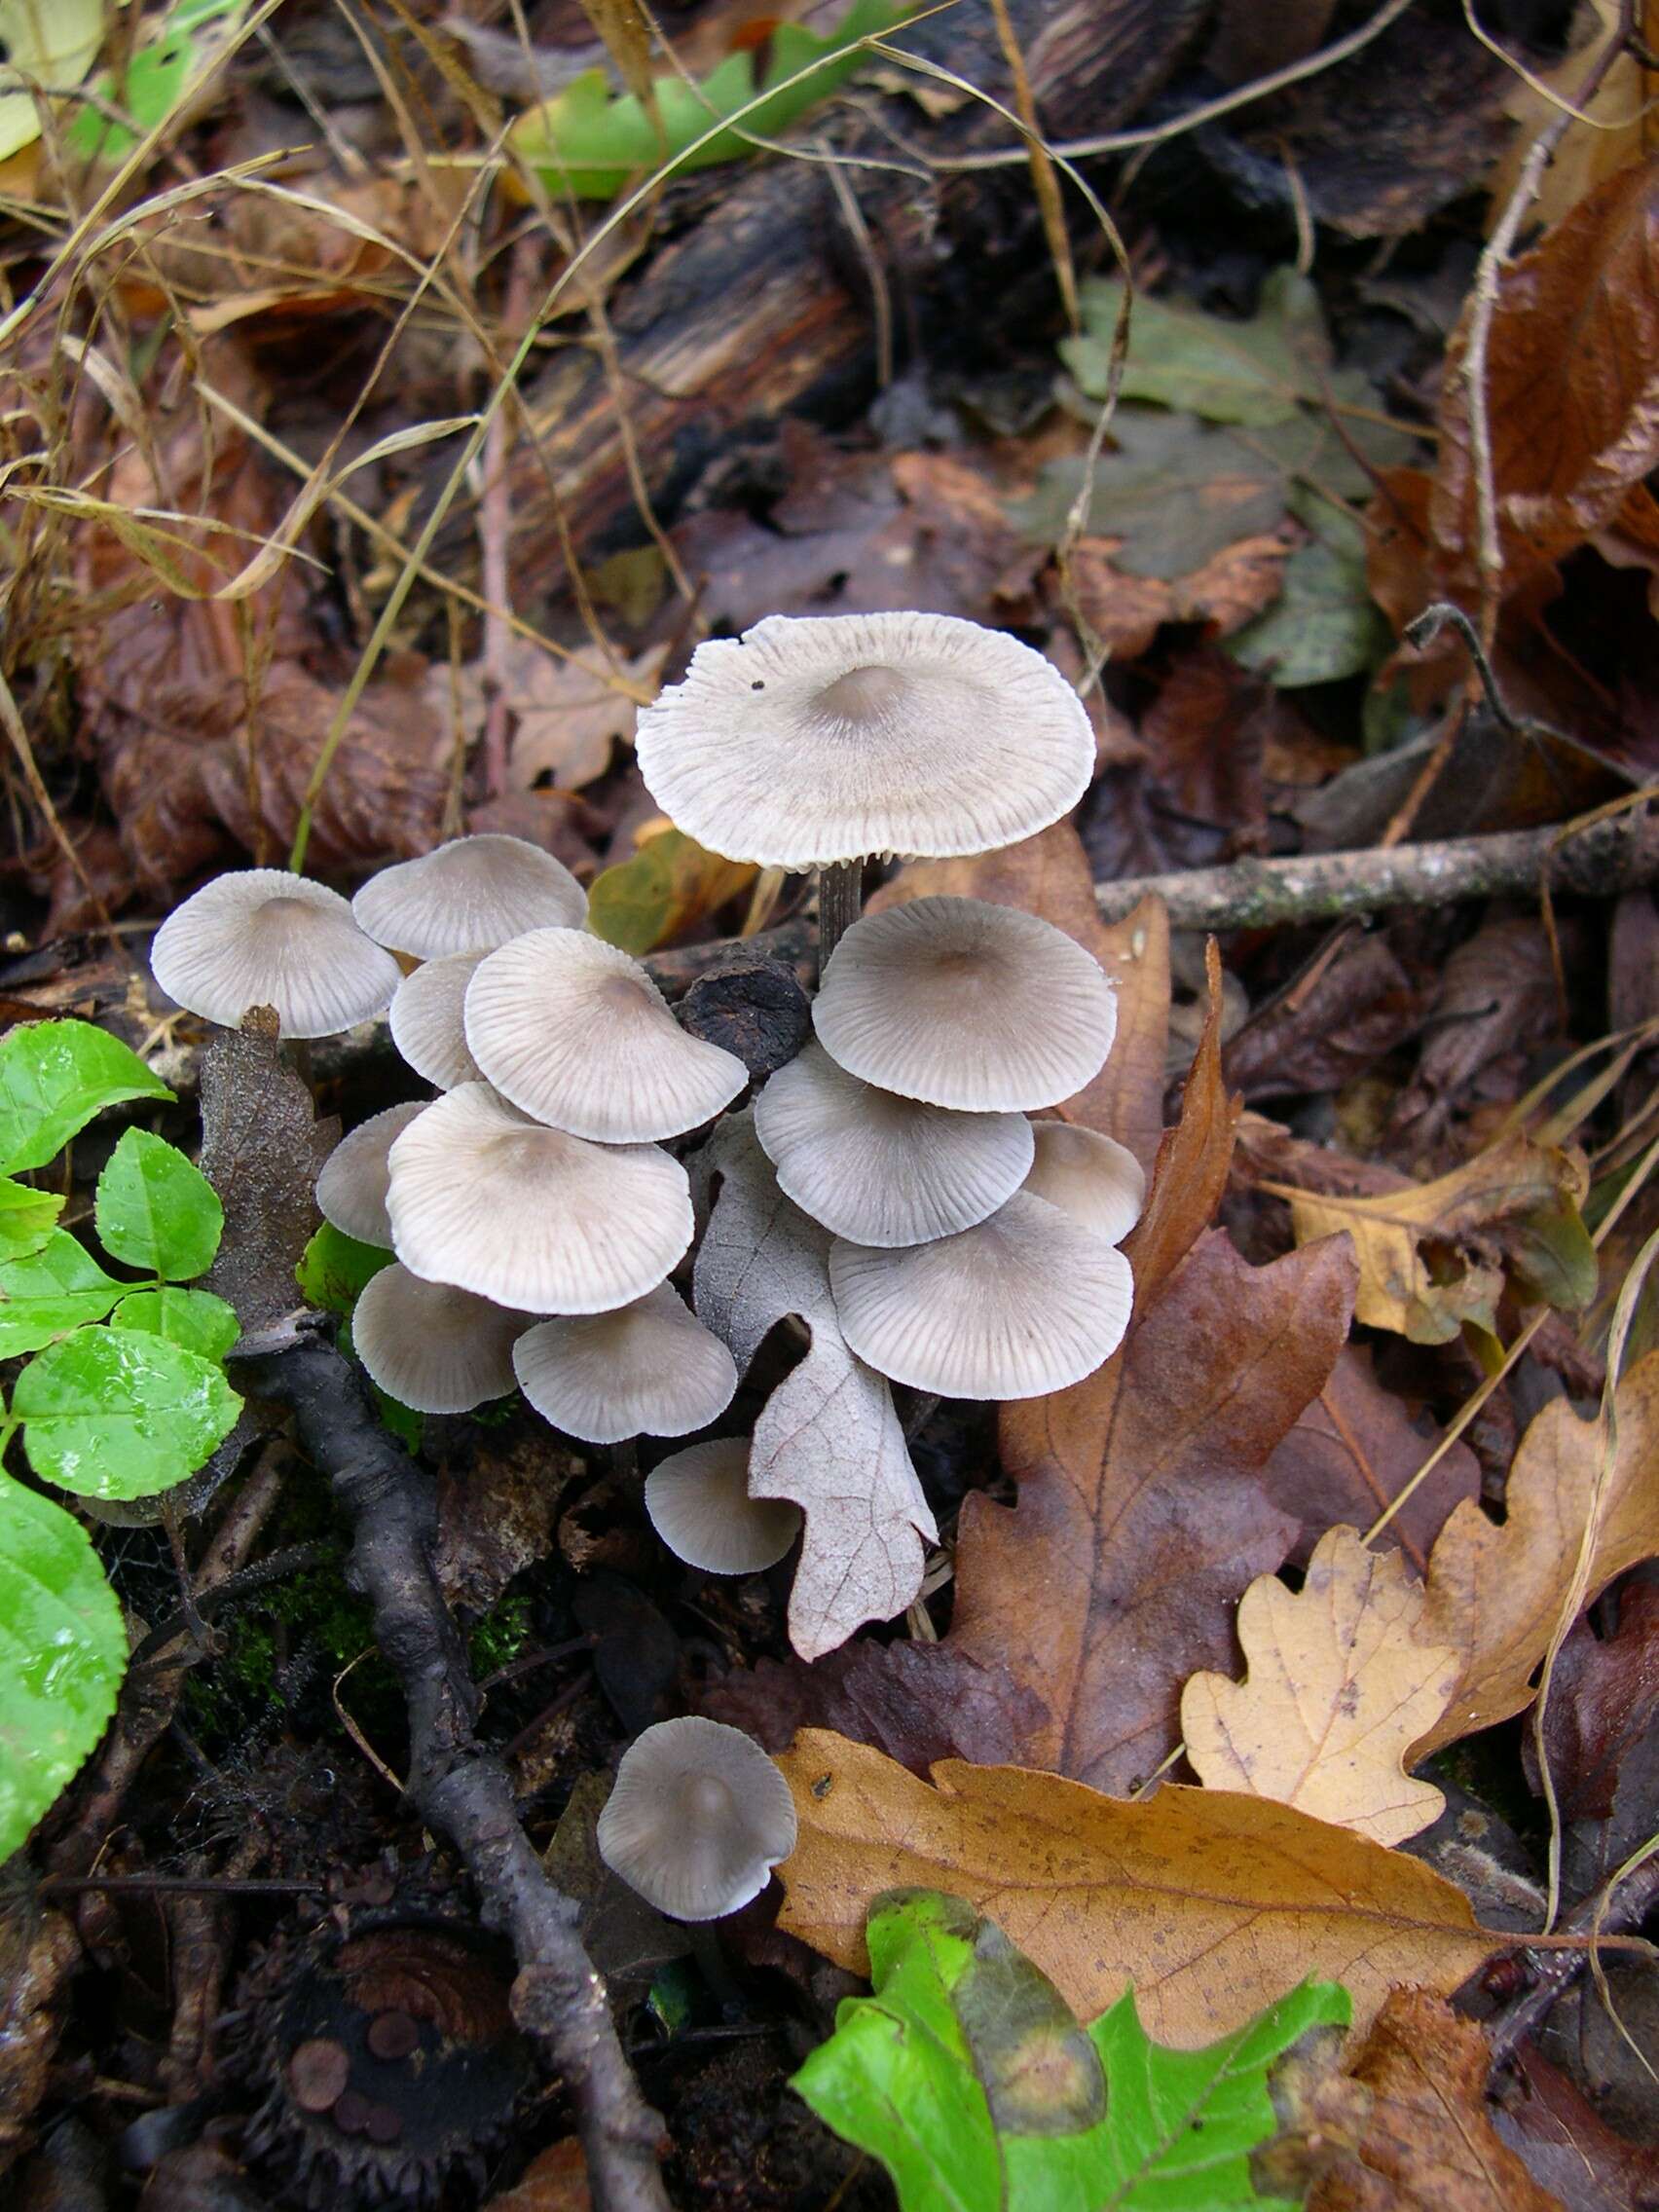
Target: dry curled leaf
pixel 569 713
pixel 1341 1681
pixel 827 1438
pixel 1209 1903
pixel 1496 1594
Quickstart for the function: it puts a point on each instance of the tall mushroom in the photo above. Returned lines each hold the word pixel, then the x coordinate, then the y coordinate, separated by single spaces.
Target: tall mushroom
pixel 697 1818
pixel 817 741
pixel 432 1347
pixel 647 1369
pixel 352 1187
pixel 261 936
pixel 469 896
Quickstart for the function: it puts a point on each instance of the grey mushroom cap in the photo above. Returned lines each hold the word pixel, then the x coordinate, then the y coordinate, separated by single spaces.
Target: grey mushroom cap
pixel 576 1033
pixel 963 1004
pixel 1025 1303
pixel 821 738
pixel 531 1217
pixel 1089 1175
pixel 697 1818
pixel 469 896
pixel 427 1019
pixel 432 1347
pixel 699 1503
pixel 351 1188
pixel 647 1369
pixel 881 1169
pixel 261 936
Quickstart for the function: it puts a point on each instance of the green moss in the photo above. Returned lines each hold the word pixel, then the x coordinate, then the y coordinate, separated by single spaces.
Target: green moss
pixel 498 1636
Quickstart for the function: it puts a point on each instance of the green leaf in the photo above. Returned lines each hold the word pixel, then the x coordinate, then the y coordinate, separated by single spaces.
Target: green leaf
pixel 62 1654
pixel 56 1289
pixel 1553 1257
pixel 1260 371
pixel 121 1413
pixel 194 1318
pixel 588 143
pixel 55 1076
pixel 25 1219
pixel 670 884
pixel 335 1270
pixel 154 1210
pixel 967 2076
pixel 1324 623
pixel 156 80
pixel 55 42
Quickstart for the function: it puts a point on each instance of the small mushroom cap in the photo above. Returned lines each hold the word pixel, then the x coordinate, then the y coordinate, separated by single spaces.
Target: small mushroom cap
pixel 350 1190
pixel 262 936
pixel 531 1217
pixel 880 1170
pixel 427 1018
pixel 697 1818
pixel 576 1033
pixel 962 1004
pixel 1025 1304
pixel 1097 1180
pixel 469 896
pixel 432 1347
pixel 699 1503
pixel 821 738
pixel 649 1369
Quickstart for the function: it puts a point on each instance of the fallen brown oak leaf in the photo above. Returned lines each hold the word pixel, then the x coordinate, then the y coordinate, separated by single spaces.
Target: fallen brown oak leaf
pixel 1407 2130
pixel 1495 1593
pixel 1341 1680
pixel 1209 1905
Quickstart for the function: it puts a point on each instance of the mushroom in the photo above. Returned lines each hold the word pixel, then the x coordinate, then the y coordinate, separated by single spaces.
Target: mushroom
pixel 262 936
pixel 649 1369
pixel 574 1032
pixel 469 896
pixel 699 1503
pixel 1091 1176
pixel 881 1169
pixel 432 1347
pixel 963 1004
pixel 697 1818
pixel 428 1024
pixel 816 741
pixel 1025 1303
pixel 350 1190
pixel 532 1217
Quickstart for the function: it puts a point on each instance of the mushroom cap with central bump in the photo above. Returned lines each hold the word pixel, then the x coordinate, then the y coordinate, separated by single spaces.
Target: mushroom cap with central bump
pixel 1089 1175
pixel 881 1169
pixel 958 1003
pixel 352 1187
pixel 432 1347
pixel 1026 1303
pixel 697 1818
pixel 469 896
pixel 819 738
pixel 532 1217
pixel 699 1503
pixel 261 936
pixel 427 1019
pixel 649 1369
pixel 574 1032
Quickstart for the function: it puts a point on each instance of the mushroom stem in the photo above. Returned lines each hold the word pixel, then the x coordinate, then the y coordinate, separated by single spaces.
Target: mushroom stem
pixel 840 898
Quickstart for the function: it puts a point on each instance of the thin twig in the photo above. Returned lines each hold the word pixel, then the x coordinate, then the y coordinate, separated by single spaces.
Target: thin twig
pixel 1618 1907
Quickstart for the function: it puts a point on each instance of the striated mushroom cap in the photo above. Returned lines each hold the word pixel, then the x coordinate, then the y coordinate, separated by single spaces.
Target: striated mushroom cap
pixel 576 1033
pixel 881 1169
pixel 262 936
pixel 1097 1180
pixel 697 1818
pixel 352 1187
pixel 428 1024
pixel 649 1369
pixel 1025 1303
pixel 821 738
pixel 469 896
pixel 963 1004
pixel 434 1348
pixel 699 1503
pixel 532 1217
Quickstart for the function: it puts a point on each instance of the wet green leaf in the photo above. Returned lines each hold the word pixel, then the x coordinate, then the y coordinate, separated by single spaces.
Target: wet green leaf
pixel 55 1076
pixel 670 884
pixel 1324 624
pixel 1218 366
pixel 25 1218
pixel 56 1289
pixel 62 1654
pixel 335 1270
pixel 967 2076
pixel 154 1210
pixel 121 1413
pixel 194 1318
